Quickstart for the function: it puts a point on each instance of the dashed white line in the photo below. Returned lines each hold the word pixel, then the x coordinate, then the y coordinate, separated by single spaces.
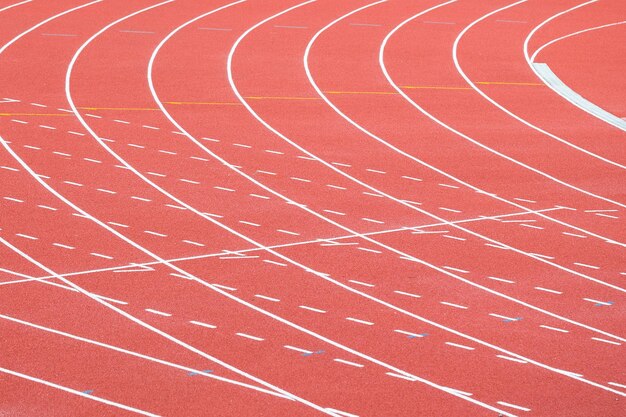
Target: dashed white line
pixel 157 312
pixel 460 346
pixel 26 236
pixel 247 336
pixel 265 297
pixel 408 294
pixel 606 341
pixel 361 283
pixel 150 232
pixel 453 305
pixel 99 255
pixel 548 290
pixel 586 265
pixel 368 323
pixel 224 189
pixel 191 242
pixel 511 359
pixel 372 220
pixel 517 407
pixel 297 349
pixel 556 329
pixel 316 310
pixel 357 365
pixel 411 178
pixel 60 245
pixel 369 250
pixel 462 271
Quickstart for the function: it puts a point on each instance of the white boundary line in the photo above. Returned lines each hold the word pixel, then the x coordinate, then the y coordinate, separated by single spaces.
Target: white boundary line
pixel 619 123
pixel 75 392
pixel 14 5
pixel 518 118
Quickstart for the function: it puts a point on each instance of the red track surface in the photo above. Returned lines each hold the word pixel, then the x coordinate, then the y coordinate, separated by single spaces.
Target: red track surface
pixel 272 208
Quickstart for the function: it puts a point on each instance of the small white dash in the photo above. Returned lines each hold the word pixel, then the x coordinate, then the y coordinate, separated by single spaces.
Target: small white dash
pixel 224 189
pixel 369 250
pixel 260 196
pixel 160 313
pixel 448 186
pixel 15 200
pixel 361 283
pixel 10 168
pixel 93 115
pixel 337 187
pixel 462 271
pixel 317 310
pixel 288 232
pixel 501 316
pixel 597 301
pixel 71 132
pixel 525 200
pixel 47 207
pixel 411 178
pixel 548 290
pixel 76 184
pixel 308 158
pixel 358 365
pixel 119 225
pixel 121 121
pixel 249 223
pixel 99 255
pixel 224 287
pixel 453 305
pixel 191 242
pixel 408 333
pixel 376 171
pixel 454 237
pixel 297 349
pixel 61 154
pixel 408 378
pixel 372 194
pixel 607 215
pixel 586 265
pixel 19 121
pixel 150 232
pixel 274 262
pixel 95 161
pixel 26 236
pixel 408 294
pixel 106 191
pixel 606 341
pixel 335 212
pixel 197 158
pixel 47 127
pixel 339 164
pixel 265 297
pixel 175 207
pixel 556 329
pixel 265 172
pixel 517 407
pixel 60 245
pixel 141 199
pixel 601 211
pixel 38 105
pixel 150 127
pixel 372 220
pixel 241 145
pixel 32 147
pixel 450 210
pixel 574 234
pixel 300 179
pixel 615 384
pixel 190 181
pixel 247 336
pixel 369 323
pixel 167 152
pixel 134 145
pixel 531 226
pixel 274 152
pixel 459 346
pixel 211 139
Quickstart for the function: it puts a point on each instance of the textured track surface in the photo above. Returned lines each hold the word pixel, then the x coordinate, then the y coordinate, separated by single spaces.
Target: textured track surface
pixel 283 208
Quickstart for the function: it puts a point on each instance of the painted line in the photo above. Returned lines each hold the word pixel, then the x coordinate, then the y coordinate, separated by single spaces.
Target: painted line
pixel 556 329
pixel 368 323
pixel 76 392
pixel 247 336
pixel 460 346
pixel 517 407
pixel 554 82
pixel 357 365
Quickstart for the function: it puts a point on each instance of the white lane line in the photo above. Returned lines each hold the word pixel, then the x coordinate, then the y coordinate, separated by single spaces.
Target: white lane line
pixel 449 186
pixel 500 316
pixel 316 310
pixel 615 384
pixel 341 413
pixel 368 323
pixel 460 346
pixel 597 301
pixel 157 312
pixel 556 329
pixel 32 147
pixel 517 407
pixel 400 376
pixel 247 336
pixel 357 365
pixel 76 392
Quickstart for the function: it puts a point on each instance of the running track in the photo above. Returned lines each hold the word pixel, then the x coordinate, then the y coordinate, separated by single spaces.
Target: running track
pixel 283 208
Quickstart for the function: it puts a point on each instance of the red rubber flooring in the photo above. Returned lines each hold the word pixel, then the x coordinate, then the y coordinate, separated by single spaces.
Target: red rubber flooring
pixel 343 208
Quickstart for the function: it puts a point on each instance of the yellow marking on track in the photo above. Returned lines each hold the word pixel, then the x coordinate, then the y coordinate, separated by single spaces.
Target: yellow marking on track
pixel 36 114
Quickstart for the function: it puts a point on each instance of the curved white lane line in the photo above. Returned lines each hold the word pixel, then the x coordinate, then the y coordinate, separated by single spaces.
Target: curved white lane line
pixel 323 276
pixel 515 116
pixel 381 60
pixel 124 238
pixel 330 221
pixel 402 202
pixel 256 116
pixel 217 289
pixel 14 5
pixel 530 60
pixel 76 392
